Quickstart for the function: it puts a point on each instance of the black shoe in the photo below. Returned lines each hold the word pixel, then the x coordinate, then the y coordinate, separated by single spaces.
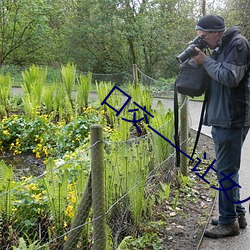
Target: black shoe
pixel 221 231
pixel 241 219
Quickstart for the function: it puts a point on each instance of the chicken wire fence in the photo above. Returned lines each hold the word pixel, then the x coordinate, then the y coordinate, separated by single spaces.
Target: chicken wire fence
pixel 158 87
pixel 55 210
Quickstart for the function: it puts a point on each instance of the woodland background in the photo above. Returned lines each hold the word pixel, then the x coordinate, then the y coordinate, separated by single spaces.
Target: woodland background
pixel 107 36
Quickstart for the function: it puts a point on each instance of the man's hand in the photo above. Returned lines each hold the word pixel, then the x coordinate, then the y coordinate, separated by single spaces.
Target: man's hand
pixel 200 58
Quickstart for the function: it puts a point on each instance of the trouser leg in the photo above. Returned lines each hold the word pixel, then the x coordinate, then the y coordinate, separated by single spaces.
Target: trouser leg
pixel 228 145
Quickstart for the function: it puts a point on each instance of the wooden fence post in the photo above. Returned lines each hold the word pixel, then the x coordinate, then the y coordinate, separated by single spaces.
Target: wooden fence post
pixel 135 74
pixel 184 133
pixel 98 195
pixel 80 218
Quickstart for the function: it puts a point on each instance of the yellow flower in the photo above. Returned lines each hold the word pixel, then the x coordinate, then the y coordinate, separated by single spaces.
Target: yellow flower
pixel 6 132
pixel 38 156
pixel 69 211
pixel 14 209
pixel 37 196
pixel 73 199
pixel 31 187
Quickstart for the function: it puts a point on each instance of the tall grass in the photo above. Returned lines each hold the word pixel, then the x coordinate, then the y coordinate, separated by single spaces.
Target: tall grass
pixel 115 100
pixel 163 122
pixel 33 86
pixel 5 90
pixel 6 197
pixel 128 161
pixel 68 74
pixel 83 90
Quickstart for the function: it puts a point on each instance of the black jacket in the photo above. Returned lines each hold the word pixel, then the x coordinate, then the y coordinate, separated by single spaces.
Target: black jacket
pixel 229 90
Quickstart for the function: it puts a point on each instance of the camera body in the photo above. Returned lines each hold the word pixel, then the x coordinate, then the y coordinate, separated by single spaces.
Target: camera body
pixel 190 51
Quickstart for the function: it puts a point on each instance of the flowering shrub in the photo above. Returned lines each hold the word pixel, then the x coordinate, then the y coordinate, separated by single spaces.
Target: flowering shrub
pixel 43 137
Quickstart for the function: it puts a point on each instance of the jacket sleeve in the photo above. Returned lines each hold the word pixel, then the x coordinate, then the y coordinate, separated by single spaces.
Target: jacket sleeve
pixel 234 66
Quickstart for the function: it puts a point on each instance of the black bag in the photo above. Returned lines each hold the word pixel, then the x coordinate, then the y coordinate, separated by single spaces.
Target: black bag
pixel 192 80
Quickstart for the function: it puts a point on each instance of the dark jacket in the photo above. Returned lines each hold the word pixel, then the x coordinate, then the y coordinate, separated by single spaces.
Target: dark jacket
pixel 229 90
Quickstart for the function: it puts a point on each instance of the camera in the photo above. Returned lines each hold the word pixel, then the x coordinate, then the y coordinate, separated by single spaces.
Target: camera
pixel 190 51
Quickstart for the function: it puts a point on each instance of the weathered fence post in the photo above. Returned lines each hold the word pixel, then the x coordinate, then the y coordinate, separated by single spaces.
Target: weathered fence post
pixel 135 74
pixel 184 133
pixel 98 195
pixel 80 218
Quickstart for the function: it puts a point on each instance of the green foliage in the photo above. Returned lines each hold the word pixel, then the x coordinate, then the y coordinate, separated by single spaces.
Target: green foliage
pixel 128 161
pixel 33 85
pixel 147 241
pixel 163 122
pixel 5 90
pixel 176 199
pixel 183 180
pixel 23 25
pixel 57 188
pixel 51 199
pixel 103 36
pixel 142 93
pixel 43 137
pixel 164 192
pixel 6 184
pixel 30 206
pixel 29 245
pixel 83 90
pixel 48 98
pixel 68 74
pixel 114 100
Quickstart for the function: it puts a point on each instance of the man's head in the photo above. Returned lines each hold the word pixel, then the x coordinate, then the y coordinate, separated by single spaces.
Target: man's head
pixel 211 29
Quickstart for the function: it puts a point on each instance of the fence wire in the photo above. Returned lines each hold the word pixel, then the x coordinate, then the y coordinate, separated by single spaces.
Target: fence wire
pixel 41 211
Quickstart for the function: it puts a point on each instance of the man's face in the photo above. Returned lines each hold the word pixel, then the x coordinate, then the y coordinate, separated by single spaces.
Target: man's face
pixel 211 38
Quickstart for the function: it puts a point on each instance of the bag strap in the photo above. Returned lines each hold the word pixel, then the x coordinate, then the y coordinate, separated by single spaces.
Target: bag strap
pixel 176 125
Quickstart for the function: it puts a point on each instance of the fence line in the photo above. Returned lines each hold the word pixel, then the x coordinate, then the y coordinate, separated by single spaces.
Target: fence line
pixel 100 238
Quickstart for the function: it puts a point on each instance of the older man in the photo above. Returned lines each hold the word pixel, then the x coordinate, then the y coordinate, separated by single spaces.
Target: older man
pixel 228 112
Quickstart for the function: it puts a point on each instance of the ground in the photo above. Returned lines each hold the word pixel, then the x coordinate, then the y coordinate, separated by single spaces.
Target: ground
pixel 186 225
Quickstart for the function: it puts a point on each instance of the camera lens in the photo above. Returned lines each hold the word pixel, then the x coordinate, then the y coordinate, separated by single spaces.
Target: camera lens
pixel 187 53
pixel 190 51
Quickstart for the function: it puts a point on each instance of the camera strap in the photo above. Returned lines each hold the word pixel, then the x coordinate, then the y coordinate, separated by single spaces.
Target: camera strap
pixel 200 124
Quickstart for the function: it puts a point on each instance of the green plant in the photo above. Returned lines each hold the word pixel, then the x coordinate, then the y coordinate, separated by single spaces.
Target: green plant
pixel 29 245
pixel 5 90
pixel 164 191
pixel 83 91
pixel 34 81
pixel 44 137
pixel 114 100
pixel 183 180
pixel 163 123
pixel 147 241
pixel 6 184
pixel 68 74
pixel 30 207
pixel 48 98
pixel 140 92
pixel 176 199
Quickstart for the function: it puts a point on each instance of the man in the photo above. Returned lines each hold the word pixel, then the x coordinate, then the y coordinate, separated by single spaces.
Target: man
pixel 228 112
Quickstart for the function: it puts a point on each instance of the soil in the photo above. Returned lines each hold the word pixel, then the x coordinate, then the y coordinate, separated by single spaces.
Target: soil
pixel 25 164
pixel 187 224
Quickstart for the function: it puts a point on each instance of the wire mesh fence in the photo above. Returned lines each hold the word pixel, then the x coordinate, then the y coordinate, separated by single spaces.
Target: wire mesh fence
pixel 46 210
pixel 54 210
